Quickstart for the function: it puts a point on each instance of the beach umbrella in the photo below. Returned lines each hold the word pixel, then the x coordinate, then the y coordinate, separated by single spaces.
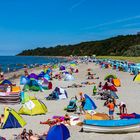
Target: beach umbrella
pixel 110 76
pixel 111 88
pixel 58 132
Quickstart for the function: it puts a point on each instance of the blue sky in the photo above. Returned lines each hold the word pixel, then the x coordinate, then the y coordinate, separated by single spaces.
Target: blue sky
pixel 26 24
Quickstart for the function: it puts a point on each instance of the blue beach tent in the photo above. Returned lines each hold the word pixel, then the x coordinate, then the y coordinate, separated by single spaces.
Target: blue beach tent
pixel 58 132
pixel 4 82
pixel 41 75
pixel 47 77
pixel 89 103
pixel 23 80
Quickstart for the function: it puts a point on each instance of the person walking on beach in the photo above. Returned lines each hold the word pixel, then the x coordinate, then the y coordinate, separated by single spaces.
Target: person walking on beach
pixel 111 107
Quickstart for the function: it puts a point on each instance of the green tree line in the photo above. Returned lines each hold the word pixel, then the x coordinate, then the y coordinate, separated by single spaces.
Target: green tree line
pixel 128 45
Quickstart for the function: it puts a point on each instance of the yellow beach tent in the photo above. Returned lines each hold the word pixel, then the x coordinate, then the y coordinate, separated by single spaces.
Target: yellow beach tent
pixel 33 107
pixel 137 78
pixel 12 119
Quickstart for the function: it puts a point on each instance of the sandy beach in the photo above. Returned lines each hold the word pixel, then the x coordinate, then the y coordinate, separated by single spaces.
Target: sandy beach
pixel 128 92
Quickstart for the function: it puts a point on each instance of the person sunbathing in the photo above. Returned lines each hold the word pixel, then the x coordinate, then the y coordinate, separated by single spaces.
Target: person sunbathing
pixel 67 119
pixel 92 77
pixel 88 83
pixel 32 136
pixel 74 86
pixel 24 134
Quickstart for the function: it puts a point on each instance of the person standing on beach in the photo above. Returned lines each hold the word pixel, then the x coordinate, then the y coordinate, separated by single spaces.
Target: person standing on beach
pixel 111 107
pixel 1 76
pixel 82 100
pixel 26 71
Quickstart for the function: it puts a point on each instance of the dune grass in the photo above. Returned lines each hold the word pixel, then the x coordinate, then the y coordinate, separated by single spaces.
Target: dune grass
pixel 130 59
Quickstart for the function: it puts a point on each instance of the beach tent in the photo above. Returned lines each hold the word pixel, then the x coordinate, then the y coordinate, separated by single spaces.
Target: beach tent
pixel 47 76
pixel 41 75
pixel 62 68
pixel 23 80
pixel 68 77
pixel 5 82
pixel 33 107
pixel 73 64
pixel 24 97
pixel 47 85
pixel 12 119
pixel 89 103
pixel 137 78
pixel 58 132
pixel 32 85
pixel 109 87
pixel 116 82
pixel 110 76
pixel 55 66
pixel 58 94
pixel 49 70
pixel 32 76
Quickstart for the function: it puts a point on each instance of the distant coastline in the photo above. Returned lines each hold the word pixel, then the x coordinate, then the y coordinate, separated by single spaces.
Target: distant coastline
pixel 128 45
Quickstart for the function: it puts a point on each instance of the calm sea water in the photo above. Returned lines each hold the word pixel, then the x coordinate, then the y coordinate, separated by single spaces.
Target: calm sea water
pixel 18 62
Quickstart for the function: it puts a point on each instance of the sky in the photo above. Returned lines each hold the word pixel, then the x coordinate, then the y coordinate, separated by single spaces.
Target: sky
pixel 27 24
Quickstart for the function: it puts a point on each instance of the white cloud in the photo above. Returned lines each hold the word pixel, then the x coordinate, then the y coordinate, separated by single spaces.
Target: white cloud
pixel 132 25
pixel 113 22
pixel 75 5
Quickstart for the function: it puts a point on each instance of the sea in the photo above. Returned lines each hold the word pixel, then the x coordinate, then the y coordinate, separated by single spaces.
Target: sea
pixel 14 63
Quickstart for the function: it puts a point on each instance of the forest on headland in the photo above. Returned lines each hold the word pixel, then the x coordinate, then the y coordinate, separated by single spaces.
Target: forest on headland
pixel 122 45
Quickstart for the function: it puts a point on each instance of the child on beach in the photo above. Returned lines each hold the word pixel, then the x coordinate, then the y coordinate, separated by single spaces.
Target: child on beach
pixel 111 107
pixel 122 107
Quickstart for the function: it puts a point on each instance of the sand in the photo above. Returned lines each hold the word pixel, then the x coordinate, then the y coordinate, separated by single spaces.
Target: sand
pixel 129 92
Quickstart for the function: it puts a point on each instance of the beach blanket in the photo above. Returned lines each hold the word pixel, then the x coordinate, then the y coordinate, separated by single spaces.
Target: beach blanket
pixel 130 116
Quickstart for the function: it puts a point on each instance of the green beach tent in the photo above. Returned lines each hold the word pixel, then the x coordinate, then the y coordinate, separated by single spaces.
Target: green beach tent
pixel 12 119
pixel 33 107
pixel 32 85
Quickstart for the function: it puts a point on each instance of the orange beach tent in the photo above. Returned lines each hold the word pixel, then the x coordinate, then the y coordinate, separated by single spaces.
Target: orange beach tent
pixel 117 82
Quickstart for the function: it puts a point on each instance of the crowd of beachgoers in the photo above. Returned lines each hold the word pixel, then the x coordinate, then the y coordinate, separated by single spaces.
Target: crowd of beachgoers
pixel 52 101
